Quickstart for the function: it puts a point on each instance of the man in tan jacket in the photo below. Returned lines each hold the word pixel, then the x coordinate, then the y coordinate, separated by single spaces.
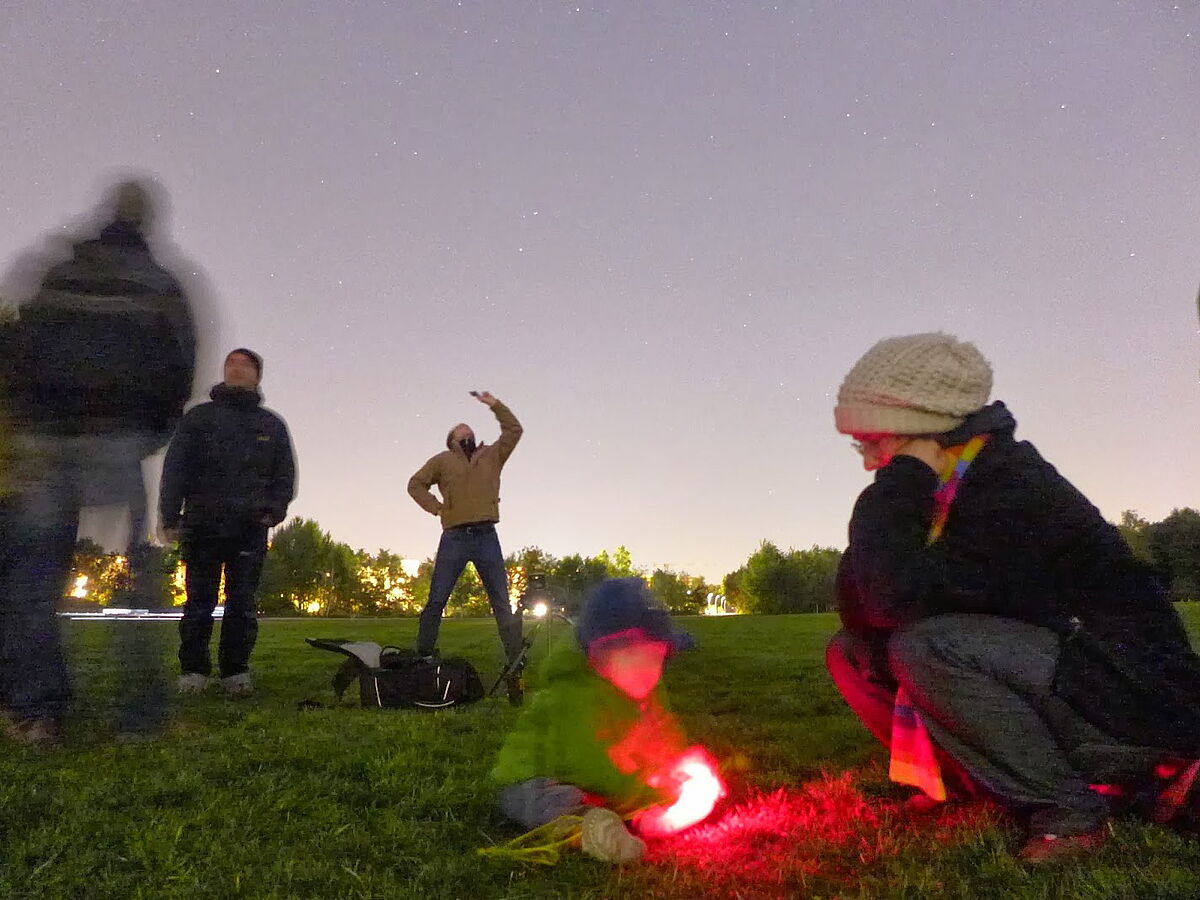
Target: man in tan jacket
pixel 468 478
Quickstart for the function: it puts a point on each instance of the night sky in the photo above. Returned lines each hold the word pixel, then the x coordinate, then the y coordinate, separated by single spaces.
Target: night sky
pixel 661 232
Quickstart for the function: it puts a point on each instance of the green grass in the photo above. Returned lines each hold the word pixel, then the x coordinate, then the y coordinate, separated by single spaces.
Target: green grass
pixel 255 798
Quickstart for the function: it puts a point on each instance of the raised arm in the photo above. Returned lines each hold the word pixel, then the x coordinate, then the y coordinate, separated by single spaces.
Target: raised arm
pixel 888 569
pixel 510 428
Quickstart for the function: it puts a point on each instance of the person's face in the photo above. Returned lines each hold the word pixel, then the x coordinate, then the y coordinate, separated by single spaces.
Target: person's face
pixel 633 667
pixel 463 433
pixel 240 371
pixel 877 450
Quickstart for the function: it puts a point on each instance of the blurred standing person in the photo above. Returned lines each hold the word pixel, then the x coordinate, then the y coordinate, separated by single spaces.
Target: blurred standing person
pixel 467 476
pixel 228 477
pixel 97 368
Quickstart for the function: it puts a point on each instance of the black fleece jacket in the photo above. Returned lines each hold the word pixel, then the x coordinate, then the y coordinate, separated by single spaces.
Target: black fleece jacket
pixel 1021 542
pixel 132 343
pixel 229 466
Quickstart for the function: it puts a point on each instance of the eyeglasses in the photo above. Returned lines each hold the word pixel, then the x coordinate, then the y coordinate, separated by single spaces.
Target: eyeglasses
pixel 863 442
pixel 860 442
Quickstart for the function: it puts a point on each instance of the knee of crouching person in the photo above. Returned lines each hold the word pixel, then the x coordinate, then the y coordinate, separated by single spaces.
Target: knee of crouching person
pixel 837 652
pixel 910 648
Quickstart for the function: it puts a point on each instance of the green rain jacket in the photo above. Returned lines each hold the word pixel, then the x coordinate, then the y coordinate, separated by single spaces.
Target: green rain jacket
pixel 580 730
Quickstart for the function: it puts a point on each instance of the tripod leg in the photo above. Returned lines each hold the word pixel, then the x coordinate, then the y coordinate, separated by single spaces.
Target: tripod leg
pixel 517 664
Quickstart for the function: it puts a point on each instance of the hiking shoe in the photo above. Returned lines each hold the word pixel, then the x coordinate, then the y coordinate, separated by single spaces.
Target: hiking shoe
pixel 191 683
pixel 1178 803
pixel 514 683
pixel 240 685
pixel 1048 849
pixel 41 734
pixel 605 837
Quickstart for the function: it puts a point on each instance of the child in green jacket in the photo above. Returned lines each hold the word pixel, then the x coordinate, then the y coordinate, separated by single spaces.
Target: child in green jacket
pixel 597 734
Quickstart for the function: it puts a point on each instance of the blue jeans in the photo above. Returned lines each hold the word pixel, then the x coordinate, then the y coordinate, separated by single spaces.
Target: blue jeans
pixel 53 477
pixel 35 563
pixel 464 544
pixel 536 802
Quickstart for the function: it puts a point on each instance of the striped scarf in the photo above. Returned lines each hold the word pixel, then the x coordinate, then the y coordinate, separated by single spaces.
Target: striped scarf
pixel 913 755
pixel 961 457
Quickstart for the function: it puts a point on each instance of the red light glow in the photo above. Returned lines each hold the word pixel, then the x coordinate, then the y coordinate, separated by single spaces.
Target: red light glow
pixel 630 661
pixel 700 787
pixel 814 839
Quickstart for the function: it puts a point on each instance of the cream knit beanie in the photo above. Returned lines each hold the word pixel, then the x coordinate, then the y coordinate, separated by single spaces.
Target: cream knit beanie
pixel 917 384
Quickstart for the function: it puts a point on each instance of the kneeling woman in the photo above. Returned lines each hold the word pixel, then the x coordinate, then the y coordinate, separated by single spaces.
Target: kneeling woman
pixel 988 591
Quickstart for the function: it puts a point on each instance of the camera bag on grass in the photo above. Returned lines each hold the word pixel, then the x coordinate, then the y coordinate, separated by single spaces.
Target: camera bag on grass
pixel 394 678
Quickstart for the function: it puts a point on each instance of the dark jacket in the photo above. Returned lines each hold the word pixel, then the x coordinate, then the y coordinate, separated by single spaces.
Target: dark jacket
pixel 470 488
pixel 106 344
pixel 229 466
pixel 1021 542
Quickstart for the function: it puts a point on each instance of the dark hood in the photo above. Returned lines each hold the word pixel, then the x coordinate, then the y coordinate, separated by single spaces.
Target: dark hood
pixel 992 419
pixel 235 396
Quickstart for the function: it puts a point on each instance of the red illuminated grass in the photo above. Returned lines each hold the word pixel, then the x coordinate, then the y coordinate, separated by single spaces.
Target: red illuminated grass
pixel 825 828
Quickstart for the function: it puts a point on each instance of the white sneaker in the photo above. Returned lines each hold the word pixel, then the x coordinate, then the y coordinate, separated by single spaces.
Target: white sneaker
pixel 240 685
pixel 606 838
pixel 191 683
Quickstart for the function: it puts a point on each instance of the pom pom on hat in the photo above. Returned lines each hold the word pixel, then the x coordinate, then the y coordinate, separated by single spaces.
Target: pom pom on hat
pixel 916 384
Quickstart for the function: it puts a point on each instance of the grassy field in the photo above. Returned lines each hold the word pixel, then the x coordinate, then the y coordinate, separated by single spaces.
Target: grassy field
pixel 256 798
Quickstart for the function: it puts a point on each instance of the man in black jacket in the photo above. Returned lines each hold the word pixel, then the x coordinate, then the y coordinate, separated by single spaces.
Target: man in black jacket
pixel 1030 642
pixel 96 370
pixel 228 477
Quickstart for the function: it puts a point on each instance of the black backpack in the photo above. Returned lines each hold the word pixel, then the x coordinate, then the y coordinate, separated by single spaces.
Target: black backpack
pixel 394 678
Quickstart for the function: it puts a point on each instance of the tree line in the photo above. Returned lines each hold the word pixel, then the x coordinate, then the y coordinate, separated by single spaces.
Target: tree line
pixel 307 572
pixel 794 581
pixel 1171 546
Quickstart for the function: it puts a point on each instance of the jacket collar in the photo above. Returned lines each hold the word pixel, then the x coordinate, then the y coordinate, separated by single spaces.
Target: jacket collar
pixel 992 419
pixel 458 451
pixel 234 396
